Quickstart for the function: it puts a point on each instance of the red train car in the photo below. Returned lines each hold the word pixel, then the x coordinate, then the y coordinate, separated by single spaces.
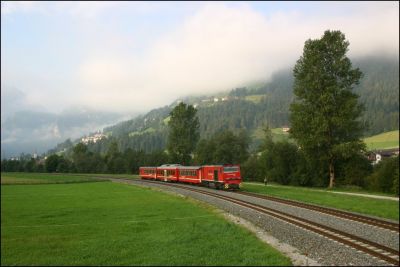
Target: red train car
pixel 190 174
pixel 218 176
pixel 168 172
pixel 148 172
pixel 222 176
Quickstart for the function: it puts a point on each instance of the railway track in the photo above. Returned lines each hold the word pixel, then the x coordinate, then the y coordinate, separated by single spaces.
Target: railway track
pixel 379 251
pixel 338 213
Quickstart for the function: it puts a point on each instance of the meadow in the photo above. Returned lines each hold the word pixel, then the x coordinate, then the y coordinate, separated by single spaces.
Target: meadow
pixel 383 141
pixel 21 178
pixel 105 223
pixel 388 209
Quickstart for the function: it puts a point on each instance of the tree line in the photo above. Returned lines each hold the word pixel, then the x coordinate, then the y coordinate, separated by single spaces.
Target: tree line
pixel 281 162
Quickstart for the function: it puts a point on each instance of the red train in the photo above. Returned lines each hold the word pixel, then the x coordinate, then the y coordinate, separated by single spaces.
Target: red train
pixel 218 176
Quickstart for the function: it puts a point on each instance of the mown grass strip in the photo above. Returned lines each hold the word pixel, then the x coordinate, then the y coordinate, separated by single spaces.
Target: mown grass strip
pixel 377 207
pixel 118 224
pixel 44 178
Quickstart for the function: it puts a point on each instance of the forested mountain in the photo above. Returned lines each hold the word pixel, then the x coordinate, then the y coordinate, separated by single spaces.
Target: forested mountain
pixel 251 108
pixel 379 91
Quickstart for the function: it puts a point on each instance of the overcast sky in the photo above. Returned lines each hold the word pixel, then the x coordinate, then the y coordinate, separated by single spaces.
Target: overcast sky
pixel 134 56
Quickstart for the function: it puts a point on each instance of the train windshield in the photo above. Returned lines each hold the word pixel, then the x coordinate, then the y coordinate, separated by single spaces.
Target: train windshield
pixel 231 169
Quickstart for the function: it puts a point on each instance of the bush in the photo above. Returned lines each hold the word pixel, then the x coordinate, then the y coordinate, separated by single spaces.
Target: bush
pixel 385 177
pixel 354 170
pixel 52 163
pixel 250 170
pixel 279 162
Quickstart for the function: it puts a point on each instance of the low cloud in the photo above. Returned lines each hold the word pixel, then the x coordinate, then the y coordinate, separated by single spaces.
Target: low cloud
pixel 218 47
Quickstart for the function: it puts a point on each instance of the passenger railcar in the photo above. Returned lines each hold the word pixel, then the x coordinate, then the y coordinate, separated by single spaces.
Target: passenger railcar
pixel 148 172
pixel 218 176
pixel 190 174
pixel 168 173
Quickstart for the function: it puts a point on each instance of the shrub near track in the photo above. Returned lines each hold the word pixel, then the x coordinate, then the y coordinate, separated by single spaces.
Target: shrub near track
pixel 117 224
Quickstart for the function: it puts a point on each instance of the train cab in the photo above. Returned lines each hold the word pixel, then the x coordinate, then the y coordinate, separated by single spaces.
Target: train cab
pixel 222 176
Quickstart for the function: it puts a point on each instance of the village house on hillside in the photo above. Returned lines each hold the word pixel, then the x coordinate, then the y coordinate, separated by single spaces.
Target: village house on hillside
pixel 377 155
pixel 94 138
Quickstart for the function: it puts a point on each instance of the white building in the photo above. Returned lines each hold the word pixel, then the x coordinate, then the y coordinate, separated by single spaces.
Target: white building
pixel 93 139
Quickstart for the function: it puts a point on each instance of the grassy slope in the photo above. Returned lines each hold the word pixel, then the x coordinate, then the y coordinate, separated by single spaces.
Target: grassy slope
pixel 384 140
pixel 116 224
pixel 380 141
pixel 376 207
pixel 254 98
pixel 277 134
pixel 43 178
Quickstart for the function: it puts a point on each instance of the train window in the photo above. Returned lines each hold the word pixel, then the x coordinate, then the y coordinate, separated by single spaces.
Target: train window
pixel 188 172
pixel 147 171
pixel 231 169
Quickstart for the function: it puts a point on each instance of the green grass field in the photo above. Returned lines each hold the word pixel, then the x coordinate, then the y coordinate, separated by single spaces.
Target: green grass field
pixel 44 178
pixel 117 224
pixel 377 207
pixel 277 134
pixel 382 141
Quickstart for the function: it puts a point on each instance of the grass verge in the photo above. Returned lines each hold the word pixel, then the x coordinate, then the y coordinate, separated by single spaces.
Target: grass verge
pixel 377 207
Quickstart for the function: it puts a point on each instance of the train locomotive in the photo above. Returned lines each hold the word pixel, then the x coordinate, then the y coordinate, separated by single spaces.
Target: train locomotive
pixel 217 176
